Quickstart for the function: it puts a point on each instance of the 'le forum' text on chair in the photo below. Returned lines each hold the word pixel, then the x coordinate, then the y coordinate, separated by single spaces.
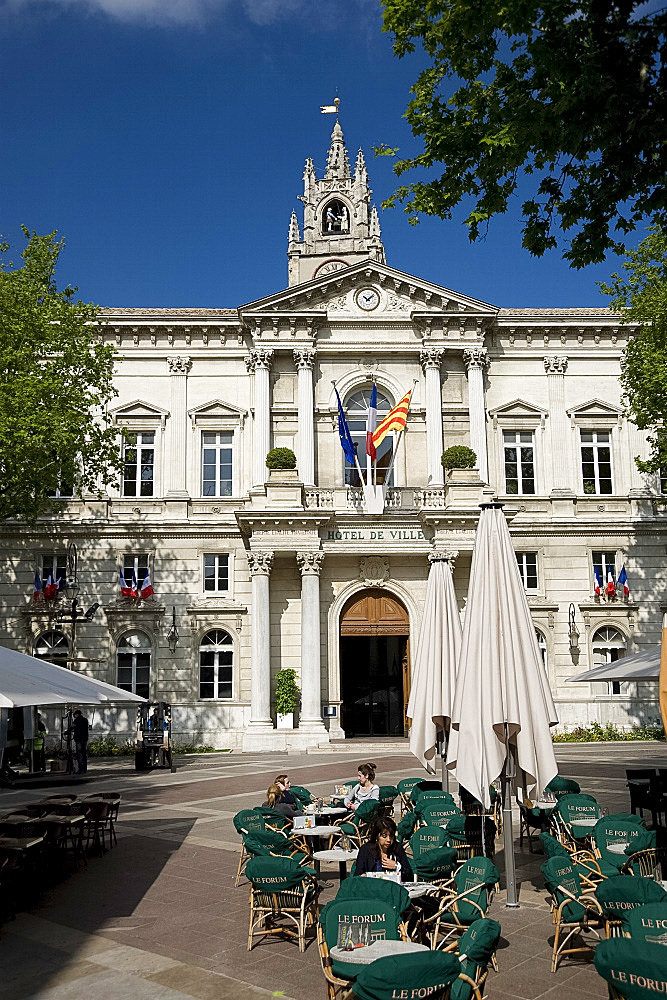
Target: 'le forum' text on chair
pixel 575 910
pixel 429 974
pixel 283 899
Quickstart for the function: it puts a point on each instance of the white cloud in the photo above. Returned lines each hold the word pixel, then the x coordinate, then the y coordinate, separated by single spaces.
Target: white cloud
pixel 171 12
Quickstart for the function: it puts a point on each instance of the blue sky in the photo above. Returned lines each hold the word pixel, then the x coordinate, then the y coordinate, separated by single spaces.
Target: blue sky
pixel 165 140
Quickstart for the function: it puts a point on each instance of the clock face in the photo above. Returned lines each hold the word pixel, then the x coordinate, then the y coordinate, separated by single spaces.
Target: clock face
pixel 368 299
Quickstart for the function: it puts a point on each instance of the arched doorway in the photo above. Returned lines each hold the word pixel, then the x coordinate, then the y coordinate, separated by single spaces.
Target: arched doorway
pixel 374 673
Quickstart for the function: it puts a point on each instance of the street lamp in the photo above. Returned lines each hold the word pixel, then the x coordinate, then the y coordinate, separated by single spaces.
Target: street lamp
pixel 573 631
pixel 172 634
pixel 72 594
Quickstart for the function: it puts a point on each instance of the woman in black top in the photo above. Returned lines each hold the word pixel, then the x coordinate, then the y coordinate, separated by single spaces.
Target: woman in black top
pixel 274 800
pixel 382 853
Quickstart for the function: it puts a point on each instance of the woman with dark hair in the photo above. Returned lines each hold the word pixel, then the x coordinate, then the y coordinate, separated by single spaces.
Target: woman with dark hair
pixel 284 784
pixel 382 853
pixel 365 789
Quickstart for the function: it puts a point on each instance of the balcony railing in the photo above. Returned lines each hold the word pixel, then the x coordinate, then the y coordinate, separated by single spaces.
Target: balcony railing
pixel 397 498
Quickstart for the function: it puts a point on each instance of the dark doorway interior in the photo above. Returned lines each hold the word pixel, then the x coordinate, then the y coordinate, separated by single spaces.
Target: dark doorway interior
pixel 372 684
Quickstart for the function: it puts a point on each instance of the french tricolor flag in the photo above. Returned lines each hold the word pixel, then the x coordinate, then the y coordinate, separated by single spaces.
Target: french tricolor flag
pixel 611 586
pixel 597 581
pixel 37 587
pixel 124 589
pixel 371 423
pixel 50 589
pixel 146 588
pixel 623 582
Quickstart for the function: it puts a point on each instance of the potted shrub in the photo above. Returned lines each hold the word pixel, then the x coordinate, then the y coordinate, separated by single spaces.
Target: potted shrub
pixel 281 458
pixel 287 698
pixel 458 457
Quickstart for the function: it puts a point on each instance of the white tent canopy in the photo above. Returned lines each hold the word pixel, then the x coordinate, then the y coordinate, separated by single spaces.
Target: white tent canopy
pixel 26 680
pixel 641 666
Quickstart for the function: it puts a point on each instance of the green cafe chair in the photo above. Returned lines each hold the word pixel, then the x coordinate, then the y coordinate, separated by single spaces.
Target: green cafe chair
pixel 246 821
pixel 405 787
pixel 575 816
pixel 424 974
pixel 575 910
pixel 388 795
pixel 437 812
pixel 650 862
pixel 475 949
pixel 428 838
pixel 469 899
pixel 619 895
pixel 429 795
pixel 559 786
pixel 339 916
pixel 283 899
pixel 424 786
pixel 634 970
pixel 595 868
pixel 465 834
pixel 435 866
pixel 360 887
pixel 612 832
pixel 357 827
pixel 301 794
pixel 273 819
pixel 647 923
pixel 407 826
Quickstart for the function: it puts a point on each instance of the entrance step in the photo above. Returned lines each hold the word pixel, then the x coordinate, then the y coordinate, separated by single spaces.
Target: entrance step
pixel 364 747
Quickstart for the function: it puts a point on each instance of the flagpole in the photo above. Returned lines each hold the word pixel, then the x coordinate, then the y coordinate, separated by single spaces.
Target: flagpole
pixel 395 450
pixel 356 457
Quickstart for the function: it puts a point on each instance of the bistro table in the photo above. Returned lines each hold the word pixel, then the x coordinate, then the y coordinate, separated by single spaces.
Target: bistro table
pixel 19 843
pixel 331 811
pixel 417 889
pixel 378 949
pixel 335 854
pixel 619 847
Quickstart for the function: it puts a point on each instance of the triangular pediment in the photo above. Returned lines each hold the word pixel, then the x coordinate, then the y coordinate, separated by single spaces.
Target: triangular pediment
pixel 140 411
pixel 398 294
pixel 518 408
pixel 594 406
pixel 217 410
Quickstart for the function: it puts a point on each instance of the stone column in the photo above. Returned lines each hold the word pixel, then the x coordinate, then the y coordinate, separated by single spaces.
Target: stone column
pixel 259 363
pixel 431 359
pixel 304 359
pixel 476 360
pixel 176 463
pixel 260 564
pixel 310 565
pixel 555 365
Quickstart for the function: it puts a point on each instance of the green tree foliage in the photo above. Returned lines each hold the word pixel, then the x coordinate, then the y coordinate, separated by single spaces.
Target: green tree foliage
pixel 640 296
pixel 55 382
pixel 571 93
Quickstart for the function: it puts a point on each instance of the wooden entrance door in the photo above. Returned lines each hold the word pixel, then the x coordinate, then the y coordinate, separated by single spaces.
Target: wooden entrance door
pixel 374 657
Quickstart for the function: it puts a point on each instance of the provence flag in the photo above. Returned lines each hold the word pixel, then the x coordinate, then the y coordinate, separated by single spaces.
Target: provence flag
pixel 371 423
pixel 623 582
pixel 395 420
pixel 347 444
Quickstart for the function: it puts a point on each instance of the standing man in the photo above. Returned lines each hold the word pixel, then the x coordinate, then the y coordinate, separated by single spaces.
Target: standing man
pixel 80 734
pixel 38 745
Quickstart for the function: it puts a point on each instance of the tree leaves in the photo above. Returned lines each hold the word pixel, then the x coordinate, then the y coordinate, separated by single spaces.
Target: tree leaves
pixel 570 95
pixel 55 383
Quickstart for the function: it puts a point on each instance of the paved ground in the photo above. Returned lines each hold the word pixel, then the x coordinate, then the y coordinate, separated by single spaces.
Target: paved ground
pixel 158 917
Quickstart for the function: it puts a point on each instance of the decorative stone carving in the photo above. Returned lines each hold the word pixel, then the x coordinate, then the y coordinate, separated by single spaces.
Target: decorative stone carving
pixel 336 305
pixel 431 357
pixel 260 563
pixel 179 366
pixel 310 562
pixel 475 357
pixel 444 555
pixel 374 570
pixel 304 358
pixel 394 304
pixel 555 364
pixel 260 358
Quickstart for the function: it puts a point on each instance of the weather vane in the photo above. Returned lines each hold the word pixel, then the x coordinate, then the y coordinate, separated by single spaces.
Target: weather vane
pixel 330 109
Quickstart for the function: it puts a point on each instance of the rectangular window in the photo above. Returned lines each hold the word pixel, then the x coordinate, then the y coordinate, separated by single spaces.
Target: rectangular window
pixel 215 674
pixel 527 563
pixel 134 672
pixel 596 462
pixel 137 564
pixel 139 458
pixel 62 492
pixel 216 573
pixel 603 562
pixel 519 462
pixel 663 480
pixel 217 454
pixel 54 565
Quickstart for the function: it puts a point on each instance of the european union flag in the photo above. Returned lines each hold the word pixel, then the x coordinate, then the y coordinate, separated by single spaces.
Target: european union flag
pixel 346 441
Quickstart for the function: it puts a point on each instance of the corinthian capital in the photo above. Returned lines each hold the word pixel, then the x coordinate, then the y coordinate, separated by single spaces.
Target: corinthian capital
pixel 260 563
pixel 261 358
pixel 304 357
pixel 444 555
pixel 179 366
pixel 475 357
pixel 431 357
pixel 310 563
pixel 555 364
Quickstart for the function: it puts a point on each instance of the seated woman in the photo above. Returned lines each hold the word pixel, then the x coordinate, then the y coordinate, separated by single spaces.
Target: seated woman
pixel 365 789
pixel 283 783
pixel 382 853
pixel 274 800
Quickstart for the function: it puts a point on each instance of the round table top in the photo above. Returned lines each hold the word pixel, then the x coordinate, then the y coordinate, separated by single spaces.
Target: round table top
pixel 378 949
pixel 545 805
pixel 619 847
pixel 317 831
pixel 591 821
pixel 335 854
pixel 416 889
pixel 331 811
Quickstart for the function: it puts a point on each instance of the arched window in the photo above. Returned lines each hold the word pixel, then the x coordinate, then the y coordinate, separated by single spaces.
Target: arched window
pixel 356 411
pixel 542 646
pixel 335 217
pixel 216 665
pixel 53 646
pixel 133 660
pixel 609 645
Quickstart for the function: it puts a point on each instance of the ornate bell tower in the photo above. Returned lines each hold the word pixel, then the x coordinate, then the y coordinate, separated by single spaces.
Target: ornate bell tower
pixel 339 225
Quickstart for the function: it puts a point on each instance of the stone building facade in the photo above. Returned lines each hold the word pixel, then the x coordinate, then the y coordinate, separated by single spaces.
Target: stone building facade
pixel 260 572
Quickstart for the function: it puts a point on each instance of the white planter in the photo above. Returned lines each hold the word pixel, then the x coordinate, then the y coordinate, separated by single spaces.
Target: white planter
pixel 285 721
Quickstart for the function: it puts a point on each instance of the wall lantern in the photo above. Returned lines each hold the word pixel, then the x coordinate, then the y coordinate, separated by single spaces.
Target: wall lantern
pixel 172 634
pixel 572 630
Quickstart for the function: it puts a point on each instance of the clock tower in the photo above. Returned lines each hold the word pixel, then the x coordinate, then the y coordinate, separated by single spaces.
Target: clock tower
pixel 339 225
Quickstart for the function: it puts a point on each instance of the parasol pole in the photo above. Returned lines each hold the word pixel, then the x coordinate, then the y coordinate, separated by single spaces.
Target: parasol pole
pixel 442 745
pixel 509 773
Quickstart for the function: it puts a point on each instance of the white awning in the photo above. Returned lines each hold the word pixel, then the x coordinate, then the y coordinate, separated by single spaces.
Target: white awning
pixel 641 666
